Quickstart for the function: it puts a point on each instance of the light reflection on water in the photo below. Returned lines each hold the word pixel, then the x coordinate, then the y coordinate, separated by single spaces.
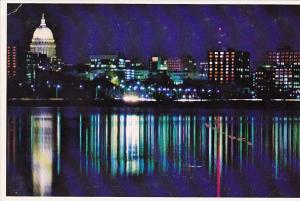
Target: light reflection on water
pixel 118 145
pixel 42 151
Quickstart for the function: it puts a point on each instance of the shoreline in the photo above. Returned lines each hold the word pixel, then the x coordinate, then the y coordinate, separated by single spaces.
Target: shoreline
pixel 210 104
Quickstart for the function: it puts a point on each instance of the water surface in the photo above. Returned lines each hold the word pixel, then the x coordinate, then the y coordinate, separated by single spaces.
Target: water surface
pixel 93 151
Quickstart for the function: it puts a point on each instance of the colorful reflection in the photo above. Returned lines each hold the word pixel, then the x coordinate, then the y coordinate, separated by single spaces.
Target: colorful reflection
pixel 42 153
pixel 213 149
pixel 131 144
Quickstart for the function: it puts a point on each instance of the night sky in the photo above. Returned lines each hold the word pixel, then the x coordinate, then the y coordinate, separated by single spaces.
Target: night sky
pixel 168 30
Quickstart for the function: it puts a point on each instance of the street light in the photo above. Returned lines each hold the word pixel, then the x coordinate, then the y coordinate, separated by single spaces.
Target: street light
pixel 56 90
pixel 97 89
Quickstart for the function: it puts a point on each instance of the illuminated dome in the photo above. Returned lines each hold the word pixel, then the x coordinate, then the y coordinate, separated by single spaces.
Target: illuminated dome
pixel 42 40
pixel 42 33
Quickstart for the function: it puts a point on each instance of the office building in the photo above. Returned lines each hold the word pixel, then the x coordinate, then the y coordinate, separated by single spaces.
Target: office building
pixel 12 61
pixel 287 71
pixel 229 66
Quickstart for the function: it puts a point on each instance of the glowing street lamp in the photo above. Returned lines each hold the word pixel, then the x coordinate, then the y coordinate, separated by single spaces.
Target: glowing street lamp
pixel 97 90
pixel 56 90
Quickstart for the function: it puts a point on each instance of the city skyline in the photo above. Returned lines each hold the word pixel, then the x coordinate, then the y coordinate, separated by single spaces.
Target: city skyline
pixel 152 100
pixel 172 30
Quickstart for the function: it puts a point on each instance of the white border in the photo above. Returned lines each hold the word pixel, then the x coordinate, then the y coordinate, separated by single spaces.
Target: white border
pixel 3 53
pixel 3 44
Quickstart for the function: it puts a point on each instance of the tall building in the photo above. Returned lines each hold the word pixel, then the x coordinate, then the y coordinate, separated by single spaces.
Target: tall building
pixel 34 63
pixel 283 77
pixel 31 66
pixel 284 56
pixel 43 41
pixel 275 80
pixel 287 69
pixel 228 66
pixel 264 80
pixel 11 61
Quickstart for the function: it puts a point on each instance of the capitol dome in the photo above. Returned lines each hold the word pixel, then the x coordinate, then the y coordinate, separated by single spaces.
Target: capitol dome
pixel 43 41
pixel 42 33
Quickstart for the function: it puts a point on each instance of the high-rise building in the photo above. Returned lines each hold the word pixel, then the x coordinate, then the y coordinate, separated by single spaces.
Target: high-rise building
pixel 284 56
pixel 264 80
pixel 31 66
pixel 228 66
pixel 287 69
pixel 12 61
pixel 276 80
pixel 34 63
pixel 283 77
pixel 43 41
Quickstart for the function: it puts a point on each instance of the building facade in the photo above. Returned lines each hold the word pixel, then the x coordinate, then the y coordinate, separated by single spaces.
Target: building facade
pixel 264 80
pixel 11 61
pixel 287 70
pixel 229 66
pixel 175 64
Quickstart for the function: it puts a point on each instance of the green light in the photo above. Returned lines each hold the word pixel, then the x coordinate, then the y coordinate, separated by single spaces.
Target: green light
pixel 215 149
pixel 98 143
pixel 122 145
pixel 276 148
pixel 285 142
pixel 226 141
pixel 203 140
pixel 58 142
pixel 209 145
pixel 86 150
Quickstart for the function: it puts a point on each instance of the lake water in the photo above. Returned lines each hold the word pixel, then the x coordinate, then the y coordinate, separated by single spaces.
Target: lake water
pixel 91 151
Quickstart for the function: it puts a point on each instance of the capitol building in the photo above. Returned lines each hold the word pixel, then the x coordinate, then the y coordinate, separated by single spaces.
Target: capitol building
pixel 43 41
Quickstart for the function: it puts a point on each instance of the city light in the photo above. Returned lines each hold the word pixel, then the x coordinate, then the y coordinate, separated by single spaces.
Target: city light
pixel 131 98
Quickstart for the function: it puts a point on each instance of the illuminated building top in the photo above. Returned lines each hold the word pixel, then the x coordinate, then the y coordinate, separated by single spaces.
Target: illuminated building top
pixel 43 41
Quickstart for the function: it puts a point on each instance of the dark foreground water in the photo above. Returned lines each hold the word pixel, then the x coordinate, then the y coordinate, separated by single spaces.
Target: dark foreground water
pixel 152 152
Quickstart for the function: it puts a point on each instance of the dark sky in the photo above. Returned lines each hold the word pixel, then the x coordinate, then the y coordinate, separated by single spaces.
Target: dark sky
pixel 169 30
